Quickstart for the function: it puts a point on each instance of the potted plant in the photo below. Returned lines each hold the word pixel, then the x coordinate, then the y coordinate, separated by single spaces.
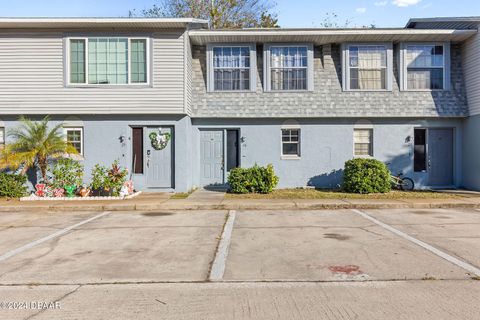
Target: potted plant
pixel 99 174
pixel 116 177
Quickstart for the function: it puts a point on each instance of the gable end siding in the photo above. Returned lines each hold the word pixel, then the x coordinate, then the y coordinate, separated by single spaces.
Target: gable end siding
pixel 471 60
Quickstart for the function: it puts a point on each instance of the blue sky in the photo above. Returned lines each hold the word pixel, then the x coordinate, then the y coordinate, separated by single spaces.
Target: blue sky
pixel 292 13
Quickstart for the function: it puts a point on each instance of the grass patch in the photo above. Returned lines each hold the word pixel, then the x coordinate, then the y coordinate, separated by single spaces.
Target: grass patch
pixel 182 195
pixel 333 194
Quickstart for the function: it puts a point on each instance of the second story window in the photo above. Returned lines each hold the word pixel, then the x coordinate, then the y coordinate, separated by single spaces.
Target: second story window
pixel 109 61
pixel 425 66
pixel 231 67
pixel 289 67
pixel 367 67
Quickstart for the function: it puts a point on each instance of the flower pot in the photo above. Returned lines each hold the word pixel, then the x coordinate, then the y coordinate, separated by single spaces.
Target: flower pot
pixel 106 192
pixel 84 192
pixel 96 192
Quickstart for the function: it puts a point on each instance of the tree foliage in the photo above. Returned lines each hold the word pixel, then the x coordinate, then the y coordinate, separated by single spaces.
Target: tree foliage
pixel 222 14
pixel 332 20
pixel 35 143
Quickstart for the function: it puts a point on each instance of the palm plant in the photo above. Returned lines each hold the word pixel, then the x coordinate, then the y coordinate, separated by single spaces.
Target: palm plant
pixel 34 145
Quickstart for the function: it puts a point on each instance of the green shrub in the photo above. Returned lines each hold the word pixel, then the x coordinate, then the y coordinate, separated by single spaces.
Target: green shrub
pixel 111 178
pixel 116 177
pixel 366 176
pixel 12 185
pixel 67 172
pixel 253 180
pixel 99 175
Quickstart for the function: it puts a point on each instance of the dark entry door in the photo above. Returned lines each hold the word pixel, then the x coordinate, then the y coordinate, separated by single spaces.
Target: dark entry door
pixel 440 157
pixel 233 154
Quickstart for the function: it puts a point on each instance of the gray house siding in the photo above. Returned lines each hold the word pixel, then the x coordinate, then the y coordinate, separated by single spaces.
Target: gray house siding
pixel 188 76
pixel 325 146
pixel 32 77
pixel 471 152
pixel 471 143
pixel 328 99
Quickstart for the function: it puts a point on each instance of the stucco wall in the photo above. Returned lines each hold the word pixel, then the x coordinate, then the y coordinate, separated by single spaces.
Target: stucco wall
pixel 471 152
pixel 325 146
pixel 102 144
pixel 327 99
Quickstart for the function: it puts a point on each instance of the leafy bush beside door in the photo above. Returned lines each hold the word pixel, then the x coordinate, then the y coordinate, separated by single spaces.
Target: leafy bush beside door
pixel 252 180
pixel 366 176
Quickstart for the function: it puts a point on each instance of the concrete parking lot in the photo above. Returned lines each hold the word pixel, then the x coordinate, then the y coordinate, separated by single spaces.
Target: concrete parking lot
pixel 326 264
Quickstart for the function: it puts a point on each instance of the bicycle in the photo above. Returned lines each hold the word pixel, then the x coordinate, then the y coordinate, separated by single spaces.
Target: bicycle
pixel 400 182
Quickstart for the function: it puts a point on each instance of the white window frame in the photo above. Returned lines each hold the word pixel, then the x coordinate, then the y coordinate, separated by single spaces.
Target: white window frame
pixel 364 128
pixel 299 143
pixel 267 65
pixel 129 83
pixel 210 68
pixel 69 128
pixel 346 65
pixel 404 65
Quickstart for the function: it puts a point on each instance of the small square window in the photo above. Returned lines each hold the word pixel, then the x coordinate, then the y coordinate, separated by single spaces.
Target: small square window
pixel 74 136
pixel 363 142
pixel 291 142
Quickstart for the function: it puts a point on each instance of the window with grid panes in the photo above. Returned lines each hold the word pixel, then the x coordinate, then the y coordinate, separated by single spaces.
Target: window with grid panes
pixel 291 142
pixel 363 142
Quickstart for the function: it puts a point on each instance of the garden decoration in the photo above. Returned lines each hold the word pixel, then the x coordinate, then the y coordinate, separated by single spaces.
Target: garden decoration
pixel 127 188
pixel 70 190
pixel 58 192
pixel 159 141
pixel 84 192
pixel 129 185
pixel 48 191
pixel 40 189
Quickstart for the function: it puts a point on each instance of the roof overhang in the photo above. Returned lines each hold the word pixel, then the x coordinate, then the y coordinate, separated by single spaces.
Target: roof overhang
pixel 444 23
pixel 101 23
pixel 324 36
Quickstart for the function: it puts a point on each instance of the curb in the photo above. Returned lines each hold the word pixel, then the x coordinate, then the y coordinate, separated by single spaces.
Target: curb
pixel 242 206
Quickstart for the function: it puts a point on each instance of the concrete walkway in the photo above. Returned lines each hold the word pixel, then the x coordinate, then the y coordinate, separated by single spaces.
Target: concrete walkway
pixel 215 200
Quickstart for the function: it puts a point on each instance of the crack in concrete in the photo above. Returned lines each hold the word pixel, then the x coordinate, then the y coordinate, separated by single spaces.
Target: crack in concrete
pixel 339 281
pixel 57 300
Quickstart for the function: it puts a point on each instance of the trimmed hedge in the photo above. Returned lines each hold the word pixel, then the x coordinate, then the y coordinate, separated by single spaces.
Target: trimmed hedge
pixel 366 176
pixel 253 180
pixel 12 185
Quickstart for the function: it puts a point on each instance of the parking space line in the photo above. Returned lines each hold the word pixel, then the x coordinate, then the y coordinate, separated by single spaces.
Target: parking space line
pixel 32 244
pixel 459 263
pixel 218 266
